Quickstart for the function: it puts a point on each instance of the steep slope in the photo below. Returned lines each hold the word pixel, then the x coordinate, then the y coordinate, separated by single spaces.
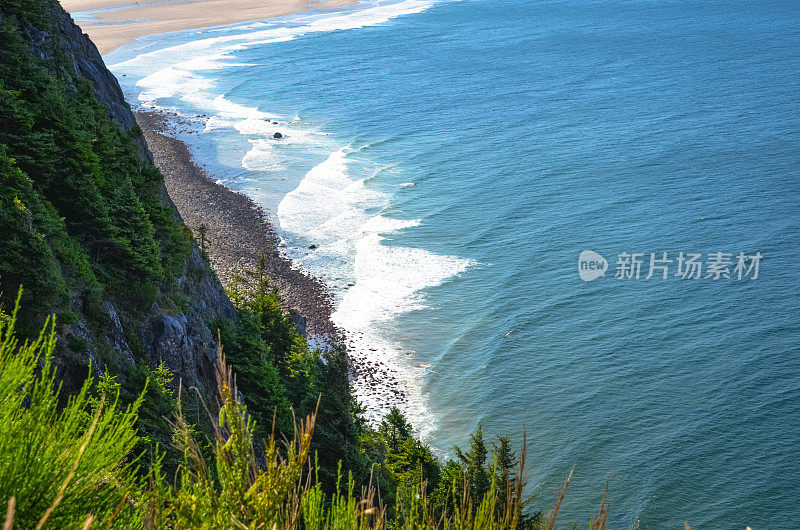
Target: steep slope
pixel 86 226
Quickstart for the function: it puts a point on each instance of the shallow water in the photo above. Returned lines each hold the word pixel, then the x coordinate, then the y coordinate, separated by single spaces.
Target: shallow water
pixel 532 131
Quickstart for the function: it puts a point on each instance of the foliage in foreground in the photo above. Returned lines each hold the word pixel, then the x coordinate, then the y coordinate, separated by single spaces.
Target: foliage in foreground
pixel 61 463
pixel 74 466
pixel 281 376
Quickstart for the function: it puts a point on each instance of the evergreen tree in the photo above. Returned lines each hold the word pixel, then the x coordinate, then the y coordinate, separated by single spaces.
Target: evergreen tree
pixel 394 429
pixel 478 478
pixel 505 461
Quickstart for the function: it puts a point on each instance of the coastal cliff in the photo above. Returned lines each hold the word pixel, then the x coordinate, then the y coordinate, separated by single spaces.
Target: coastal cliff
pixel 85 60
pixel 112 313
pixel 89 231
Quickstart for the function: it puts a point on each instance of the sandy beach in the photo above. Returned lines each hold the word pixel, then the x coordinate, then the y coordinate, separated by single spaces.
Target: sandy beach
pixel 115 23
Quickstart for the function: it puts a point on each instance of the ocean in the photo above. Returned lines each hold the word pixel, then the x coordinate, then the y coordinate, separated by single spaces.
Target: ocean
pixel 451 160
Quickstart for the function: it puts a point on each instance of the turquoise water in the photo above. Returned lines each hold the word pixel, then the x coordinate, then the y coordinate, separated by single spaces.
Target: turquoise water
pixel 452 159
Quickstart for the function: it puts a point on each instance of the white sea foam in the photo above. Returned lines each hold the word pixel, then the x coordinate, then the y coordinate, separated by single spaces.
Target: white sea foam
pixel 185 75
pixel 173 71
pixel 262 157
pixel 327 206
pixel 390 279
pixel 376 281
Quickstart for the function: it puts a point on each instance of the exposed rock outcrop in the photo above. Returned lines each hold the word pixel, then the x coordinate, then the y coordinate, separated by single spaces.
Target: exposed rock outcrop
pixel 116 335
pixel 183 340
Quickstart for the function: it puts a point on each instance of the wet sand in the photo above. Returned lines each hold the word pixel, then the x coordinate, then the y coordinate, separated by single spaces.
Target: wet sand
pixel 115 23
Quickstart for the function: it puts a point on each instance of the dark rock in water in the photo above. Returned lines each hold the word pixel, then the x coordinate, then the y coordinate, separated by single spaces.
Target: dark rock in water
pixel 277 135
pixel 312 247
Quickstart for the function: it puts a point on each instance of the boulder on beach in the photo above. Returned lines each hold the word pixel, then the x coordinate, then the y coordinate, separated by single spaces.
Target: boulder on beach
pixel 277 135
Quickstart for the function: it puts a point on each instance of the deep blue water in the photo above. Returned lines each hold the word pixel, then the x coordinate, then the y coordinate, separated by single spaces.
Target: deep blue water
pixel 533 131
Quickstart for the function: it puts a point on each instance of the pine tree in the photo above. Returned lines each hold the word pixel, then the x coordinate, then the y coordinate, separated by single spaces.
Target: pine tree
pixel 505 461
pixel 476 475
pixel 394 429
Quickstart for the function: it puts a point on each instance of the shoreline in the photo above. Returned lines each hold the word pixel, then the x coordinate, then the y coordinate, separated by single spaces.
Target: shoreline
pixel 238 231
pixel 112 24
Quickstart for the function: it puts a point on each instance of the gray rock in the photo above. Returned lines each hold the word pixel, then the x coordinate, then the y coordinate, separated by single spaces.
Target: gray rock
pixel 185 344
pixel 81 331
pixel 298 320
pixel 116 335
pixel 207 298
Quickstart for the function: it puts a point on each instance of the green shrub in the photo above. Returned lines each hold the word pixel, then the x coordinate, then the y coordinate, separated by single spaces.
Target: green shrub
pixel 283 493
pixel 75 466
pixel 67 317
pixel 61 464
pixel 157 407
pixel 77 344
pixel 277 369
pixel 142 294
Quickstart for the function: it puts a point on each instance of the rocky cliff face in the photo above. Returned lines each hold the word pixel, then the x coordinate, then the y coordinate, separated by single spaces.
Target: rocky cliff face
pixel 88 63
pixel 182 339
pixel 176 328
